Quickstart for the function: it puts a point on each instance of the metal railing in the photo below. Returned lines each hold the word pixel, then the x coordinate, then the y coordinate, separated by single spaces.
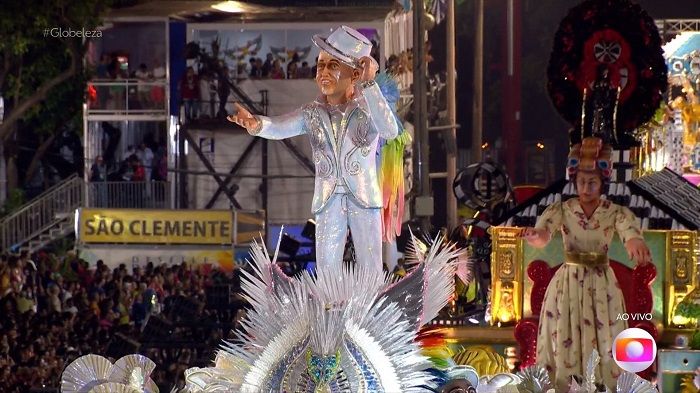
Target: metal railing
pixel 42 213
pixel 129 195
pixel 127 96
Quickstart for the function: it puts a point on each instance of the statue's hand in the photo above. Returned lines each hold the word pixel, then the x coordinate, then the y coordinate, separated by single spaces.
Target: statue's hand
pixel 244 118
pixel 537 237
pixel 369 68
pixel 533 234
pixel 638 251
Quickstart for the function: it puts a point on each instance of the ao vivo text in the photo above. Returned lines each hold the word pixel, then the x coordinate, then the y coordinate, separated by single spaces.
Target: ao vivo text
pixel 637 316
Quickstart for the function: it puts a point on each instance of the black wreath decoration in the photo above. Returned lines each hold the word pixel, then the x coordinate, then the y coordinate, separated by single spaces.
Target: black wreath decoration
pixel 620 36
pixel 484 186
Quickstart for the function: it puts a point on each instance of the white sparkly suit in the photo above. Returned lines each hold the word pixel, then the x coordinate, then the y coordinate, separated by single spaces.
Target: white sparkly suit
pixel 344 141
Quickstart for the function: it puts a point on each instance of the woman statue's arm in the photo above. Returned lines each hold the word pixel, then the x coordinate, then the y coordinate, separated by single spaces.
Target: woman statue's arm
pixel 537 237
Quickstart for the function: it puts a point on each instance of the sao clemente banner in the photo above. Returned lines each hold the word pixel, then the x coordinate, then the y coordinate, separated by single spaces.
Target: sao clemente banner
pixel 155 226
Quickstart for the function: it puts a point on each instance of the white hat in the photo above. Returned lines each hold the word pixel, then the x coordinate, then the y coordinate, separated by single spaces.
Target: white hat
pixel 346 44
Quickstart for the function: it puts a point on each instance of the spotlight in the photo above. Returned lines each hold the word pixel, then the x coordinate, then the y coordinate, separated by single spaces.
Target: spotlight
pixel 230 6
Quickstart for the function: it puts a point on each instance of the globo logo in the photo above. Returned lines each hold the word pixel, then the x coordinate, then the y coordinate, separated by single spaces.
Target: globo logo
pixel 634 350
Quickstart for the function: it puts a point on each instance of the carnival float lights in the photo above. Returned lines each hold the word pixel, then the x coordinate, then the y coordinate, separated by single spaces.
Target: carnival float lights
pixel 235 7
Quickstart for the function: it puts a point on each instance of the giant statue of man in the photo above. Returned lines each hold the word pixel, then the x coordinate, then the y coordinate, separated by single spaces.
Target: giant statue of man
pixel 344 125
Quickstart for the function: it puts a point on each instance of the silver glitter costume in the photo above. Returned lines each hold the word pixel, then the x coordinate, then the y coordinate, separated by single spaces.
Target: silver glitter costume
pixel 343 330
pixel 344 142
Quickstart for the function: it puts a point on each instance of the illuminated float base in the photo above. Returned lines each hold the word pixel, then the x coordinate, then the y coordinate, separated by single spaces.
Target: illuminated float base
pixel 675 257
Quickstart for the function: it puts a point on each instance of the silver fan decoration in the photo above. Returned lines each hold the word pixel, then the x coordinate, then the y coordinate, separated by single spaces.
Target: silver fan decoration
pixel 418 247
pixel 534 379
pixel 632 383
pixel 626 383
pixel 96 374
pixel 588 383
pixel 341 330
pixel 133 370
pixel 591 366
pixel 113 387
pixel 84 373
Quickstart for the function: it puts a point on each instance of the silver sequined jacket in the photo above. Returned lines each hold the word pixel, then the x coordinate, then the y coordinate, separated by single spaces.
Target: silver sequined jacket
pixel 351 162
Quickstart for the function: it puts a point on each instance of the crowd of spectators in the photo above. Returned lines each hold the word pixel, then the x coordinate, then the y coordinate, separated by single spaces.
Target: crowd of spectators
pixel 273 68
pixel 140 164
pixel 56 309
pixel 198 93
pixel 144 91
pixel 133 178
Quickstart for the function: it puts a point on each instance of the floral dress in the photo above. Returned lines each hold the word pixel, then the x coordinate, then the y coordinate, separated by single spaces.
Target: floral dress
pixel 581 304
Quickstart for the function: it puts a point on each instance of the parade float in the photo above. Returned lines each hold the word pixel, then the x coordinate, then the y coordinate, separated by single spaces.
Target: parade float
pixel 653 169
pixel 672 138
pixel 667 206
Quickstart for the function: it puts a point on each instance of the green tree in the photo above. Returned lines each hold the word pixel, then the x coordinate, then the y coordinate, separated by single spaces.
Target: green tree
pixel 41 74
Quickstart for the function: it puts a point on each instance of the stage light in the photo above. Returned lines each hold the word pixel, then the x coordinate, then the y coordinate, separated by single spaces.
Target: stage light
pixel 485 145
pixel 540 145
pixel 230 6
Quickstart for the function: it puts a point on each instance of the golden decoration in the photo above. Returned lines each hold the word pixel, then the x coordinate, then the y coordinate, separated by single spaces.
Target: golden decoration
pixel 687 384
pixel 483 358
pixel 681 273
pixel 507 264
pixel 506 276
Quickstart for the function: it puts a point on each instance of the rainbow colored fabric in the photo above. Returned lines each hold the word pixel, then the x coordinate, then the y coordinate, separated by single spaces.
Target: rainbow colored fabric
pixel 434 347
pixel 391 177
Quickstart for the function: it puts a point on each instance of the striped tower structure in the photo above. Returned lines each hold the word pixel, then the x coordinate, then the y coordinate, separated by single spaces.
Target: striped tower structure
pixel 675 143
